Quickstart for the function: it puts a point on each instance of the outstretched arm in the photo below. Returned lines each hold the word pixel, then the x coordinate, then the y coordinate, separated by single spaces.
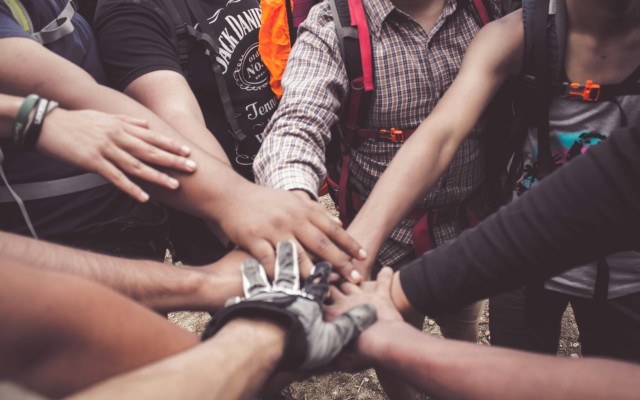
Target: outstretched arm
pixel 162 287
pixel 458 370
pixel 587 209
pixel 453 369
pixel 232 365
pixel 106 144
pixel 214 192
pixel 492 57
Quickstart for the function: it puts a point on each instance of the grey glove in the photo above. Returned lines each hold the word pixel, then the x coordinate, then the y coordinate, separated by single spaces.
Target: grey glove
pixel 311 342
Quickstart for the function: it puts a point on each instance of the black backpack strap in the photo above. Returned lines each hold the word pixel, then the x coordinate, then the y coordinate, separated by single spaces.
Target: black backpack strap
pixel 205 36
pixel 179 15
pixel 293 32
pixel 357 56
pixel 537 76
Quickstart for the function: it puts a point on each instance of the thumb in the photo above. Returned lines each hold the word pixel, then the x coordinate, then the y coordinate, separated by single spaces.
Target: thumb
pixel 335 335
pixel 354 321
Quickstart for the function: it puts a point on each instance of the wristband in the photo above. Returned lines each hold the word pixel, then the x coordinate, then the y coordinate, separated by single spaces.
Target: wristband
pixel 52 106
pixel 32 132
pixel 22 117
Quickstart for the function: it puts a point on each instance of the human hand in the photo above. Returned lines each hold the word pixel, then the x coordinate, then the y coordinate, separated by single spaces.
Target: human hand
pixel 112 146
pixel 311 342
pixel 257 218
pixel 375 293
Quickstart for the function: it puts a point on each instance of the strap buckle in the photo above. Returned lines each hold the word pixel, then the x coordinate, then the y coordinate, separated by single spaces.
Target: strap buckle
pixel 588 92
pixel 393 135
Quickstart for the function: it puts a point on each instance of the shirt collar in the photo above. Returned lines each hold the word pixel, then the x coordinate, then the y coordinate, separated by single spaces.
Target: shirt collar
pixel 379 10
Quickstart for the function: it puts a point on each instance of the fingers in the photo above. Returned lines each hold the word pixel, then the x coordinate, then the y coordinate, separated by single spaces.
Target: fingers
pixel 133 120
pixel 150 147
pixel 317 284
pixel 120 180
pixel 305 262
pixel 156 139
pixel 254 278
pixel 286 272
pixel 383 282
pixel 350 289
pixel 263 251
pixel 335 294
pixel 137 168
pixel 328 225
pixel 322 246
pixel 362 317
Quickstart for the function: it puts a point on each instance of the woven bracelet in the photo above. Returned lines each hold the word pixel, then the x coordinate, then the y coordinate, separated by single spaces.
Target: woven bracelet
pixel 22 117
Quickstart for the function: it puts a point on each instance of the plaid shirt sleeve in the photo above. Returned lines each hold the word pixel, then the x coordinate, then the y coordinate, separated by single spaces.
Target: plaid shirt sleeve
pixel 315 81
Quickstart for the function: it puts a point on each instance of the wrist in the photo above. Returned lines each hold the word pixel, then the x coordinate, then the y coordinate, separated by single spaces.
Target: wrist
pixel 400 300
pixel 378 341
pixel 268 338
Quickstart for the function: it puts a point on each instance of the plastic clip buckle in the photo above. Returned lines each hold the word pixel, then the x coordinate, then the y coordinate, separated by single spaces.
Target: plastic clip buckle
pixel 393 135
pixel 588 92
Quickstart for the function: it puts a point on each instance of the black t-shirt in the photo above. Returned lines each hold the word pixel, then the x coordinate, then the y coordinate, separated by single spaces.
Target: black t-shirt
pixel 586 209
pixel 71 213
pixel 138 38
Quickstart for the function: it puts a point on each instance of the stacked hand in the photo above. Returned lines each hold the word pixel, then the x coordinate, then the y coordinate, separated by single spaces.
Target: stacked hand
pixel 112 146
pixel 312 342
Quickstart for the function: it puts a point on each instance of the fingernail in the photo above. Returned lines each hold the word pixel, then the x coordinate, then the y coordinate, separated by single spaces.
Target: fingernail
pixel 190 164
pixel 355 275
pixel 173 183
pixel 144 196
pixel 185 149
pixel 362 253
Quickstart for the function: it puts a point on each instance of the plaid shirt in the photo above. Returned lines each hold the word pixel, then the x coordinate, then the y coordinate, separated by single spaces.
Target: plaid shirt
pixel 413 68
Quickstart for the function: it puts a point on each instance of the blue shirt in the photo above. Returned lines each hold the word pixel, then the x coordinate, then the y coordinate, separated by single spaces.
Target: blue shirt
pixel 60 216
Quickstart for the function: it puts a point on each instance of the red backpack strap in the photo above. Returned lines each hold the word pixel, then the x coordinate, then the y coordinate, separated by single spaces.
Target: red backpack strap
pixel 354 40
pixel 483 12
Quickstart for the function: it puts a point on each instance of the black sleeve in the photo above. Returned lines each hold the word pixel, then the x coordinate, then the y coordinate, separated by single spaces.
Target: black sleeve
pixel 134 39
pixel 587 209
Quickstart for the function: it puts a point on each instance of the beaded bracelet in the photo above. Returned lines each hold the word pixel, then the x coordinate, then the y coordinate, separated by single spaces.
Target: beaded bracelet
pixel 22 117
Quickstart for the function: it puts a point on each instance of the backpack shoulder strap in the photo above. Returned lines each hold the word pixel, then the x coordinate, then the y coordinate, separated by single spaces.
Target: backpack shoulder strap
pixel 354 39
pixel 180 17
pixel 537 74
pixel 182 13
pixel 60 27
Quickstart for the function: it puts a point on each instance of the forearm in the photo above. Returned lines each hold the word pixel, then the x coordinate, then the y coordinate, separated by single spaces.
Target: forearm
pixel 429 151
pixel 48 75
pixel 234 364
pixel 453 369
pixel 419 163
pixel 587 209
pixel 160 286
pixel 168 95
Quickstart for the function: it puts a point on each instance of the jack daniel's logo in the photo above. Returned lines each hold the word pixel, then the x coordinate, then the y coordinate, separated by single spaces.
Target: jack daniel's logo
pixel 237 27
pixel 250 72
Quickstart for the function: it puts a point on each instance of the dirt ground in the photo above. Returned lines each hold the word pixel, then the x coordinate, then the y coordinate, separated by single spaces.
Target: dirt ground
pixel 364 385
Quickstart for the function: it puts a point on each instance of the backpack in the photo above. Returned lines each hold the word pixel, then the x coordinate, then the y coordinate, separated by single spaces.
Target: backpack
pixel 351 28
pixel 545 29
pixel 57 29
pixel 54 31
pixel 542 78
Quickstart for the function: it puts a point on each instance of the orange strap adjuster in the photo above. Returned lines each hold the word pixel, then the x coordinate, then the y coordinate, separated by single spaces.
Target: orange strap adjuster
pixel 588 92
pixel 393 135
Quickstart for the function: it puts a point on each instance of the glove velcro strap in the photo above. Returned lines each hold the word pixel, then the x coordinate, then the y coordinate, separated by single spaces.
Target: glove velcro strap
pixel 275 311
